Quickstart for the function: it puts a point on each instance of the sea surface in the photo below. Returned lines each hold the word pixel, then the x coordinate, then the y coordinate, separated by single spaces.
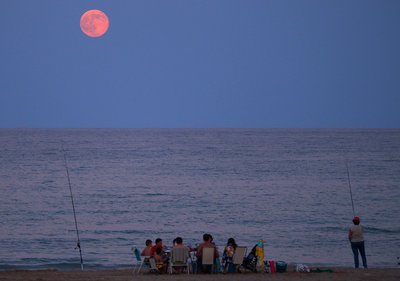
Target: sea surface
pixel 288 187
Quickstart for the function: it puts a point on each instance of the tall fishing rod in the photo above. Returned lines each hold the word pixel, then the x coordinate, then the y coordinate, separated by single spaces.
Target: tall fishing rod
pixel 351 193
pixel 78 244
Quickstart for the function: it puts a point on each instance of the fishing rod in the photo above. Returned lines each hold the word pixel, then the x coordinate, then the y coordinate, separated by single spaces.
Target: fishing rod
pixel 351 193
pixel 78 244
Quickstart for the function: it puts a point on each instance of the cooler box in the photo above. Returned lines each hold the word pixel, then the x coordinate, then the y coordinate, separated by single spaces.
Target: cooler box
pixel 280 266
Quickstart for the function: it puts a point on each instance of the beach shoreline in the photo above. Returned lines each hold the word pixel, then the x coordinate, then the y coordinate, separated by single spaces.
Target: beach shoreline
pixel 339 273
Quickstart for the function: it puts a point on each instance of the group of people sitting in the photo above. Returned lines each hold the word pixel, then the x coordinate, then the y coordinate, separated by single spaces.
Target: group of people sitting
pixel 161 257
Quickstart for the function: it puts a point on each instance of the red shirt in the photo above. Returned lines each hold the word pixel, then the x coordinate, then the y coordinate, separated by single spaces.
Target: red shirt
pixel 154 249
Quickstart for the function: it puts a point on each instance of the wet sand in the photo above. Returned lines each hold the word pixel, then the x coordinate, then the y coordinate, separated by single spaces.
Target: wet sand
pixel 339 274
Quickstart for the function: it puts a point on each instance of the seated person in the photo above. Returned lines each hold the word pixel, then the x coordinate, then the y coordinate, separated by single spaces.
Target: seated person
pixel 147 251
pixel 227 257
pixel 178 243
pixel 207 243
pixel 160 260
pixel 158 244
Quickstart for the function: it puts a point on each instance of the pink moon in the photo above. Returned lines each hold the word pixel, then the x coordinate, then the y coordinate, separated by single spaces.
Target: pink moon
pixel 94 23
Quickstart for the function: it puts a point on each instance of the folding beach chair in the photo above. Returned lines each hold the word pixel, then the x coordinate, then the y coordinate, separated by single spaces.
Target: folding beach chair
pixel 250 262
pixel 139 260
pixel 238 257
pixel 179 258
pixel 208 257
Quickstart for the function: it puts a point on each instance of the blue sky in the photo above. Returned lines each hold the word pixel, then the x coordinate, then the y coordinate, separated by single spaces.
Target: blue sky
pixel 208 63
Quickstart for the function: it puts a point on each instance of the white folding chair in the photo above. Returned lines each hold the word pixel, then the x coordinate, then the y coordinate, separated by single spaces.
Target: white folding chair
pixel 153 266
pixel 179 258
pixel 238 257
pixel 207 257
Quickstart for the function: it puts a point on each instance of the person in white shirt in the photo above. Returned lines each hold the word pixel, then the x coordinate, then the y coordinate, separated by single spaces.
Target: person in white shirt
pixel 356 238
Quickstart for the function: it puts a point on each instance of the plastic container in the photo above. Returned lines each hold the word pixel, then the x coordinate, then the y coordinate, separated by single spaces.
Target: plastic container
pixel 280 266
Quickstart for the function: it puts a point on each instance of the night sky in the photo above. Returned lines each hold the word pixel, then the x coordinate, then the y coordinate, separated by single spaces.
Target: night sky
pixel 201 64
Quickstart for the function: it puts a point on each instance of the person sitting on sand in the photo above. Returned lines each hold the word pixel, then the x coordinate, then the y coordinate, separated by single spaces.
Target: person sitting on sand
pixel 207 243
pixel 356 238
pixel 147 251
pixel 227 256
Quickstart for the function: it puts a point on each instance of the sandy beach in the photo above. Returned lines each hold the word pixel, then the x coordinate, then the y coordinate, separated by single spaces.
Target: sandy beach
pixel 126 274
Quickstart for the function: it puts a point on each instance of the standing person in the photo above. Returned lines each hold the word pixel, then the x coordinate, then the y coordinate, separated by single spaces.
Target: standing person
pixel 356 238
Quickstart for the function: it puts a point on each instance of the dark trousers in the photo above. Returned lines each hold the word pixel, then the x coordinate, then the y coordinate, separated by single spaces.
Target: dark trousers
pixel 359 247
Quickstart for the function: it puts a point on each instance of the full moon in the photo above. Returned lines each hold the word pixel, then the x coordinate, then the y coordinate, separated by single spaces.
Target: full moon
pixel 94 23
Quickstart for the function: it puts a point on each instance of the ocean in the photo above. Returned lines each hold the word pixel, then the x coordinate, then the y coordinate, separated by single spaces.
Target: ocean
pixel 288 187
